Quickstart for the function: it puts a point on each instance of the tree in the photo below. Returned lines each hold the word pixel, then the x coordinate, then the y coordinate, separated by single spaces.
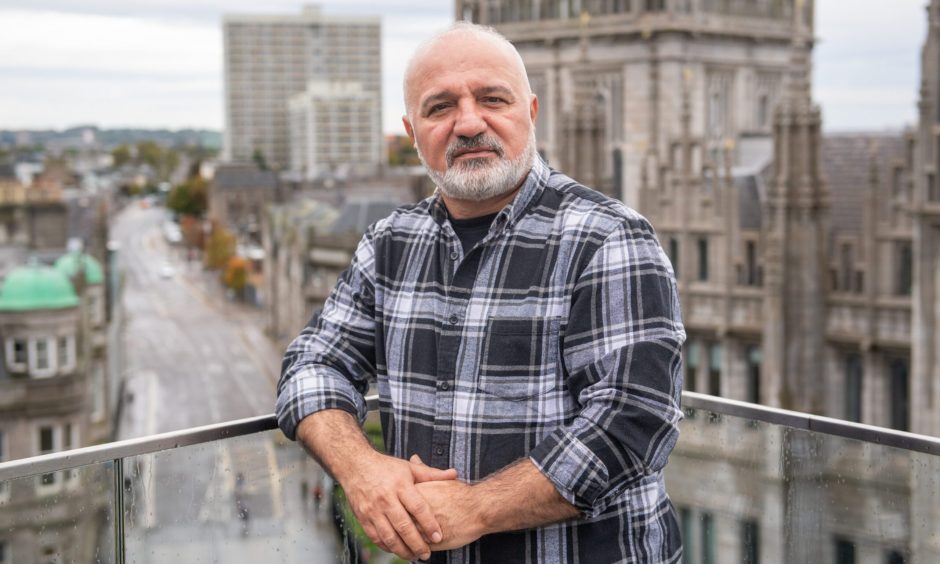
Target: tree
pixel 220 247
pixel 189 197
pixel 192 231
pixel 235 275
pixel 259 160
pixel 150 153
pixel 121 155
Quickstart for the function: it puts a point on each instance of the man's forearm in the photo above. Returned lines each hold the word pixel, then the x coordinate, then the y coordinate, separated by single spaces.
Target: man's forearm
pixel 520 497
pixel 334 439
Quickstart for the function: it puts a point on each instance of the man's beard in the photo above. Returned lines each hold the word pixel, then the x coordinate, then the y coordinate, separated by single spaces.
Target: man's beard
pixel 479 179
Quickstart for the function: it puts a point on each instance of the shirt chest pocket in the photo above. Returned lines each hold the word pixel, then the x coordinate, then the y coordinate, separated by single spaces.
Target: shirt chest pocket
pixel 519 360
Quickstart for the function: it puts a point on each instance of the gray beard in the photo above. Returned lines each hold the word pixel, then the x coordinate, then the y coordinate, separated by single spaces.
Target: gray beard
pixel 480 179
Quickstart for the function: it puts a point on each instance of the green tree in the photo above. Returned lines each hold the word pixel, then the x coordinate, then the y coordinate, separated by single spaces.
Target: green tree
pixel 220 247
pixel 150 153
pixel 259 160
pixel 189 197
pixel 121 155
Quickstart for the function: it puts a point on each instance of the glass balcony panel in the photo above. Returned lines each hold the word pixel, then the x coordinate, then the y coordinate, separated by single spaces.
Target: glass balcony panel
pixel 751 491
pixel 58 517
pixel 255 498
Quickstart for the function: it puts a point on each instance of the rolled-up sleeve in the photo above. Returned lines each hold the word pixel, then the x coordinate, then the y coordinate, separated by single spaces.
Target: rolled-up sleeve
pixel 328 366
pixel 621 352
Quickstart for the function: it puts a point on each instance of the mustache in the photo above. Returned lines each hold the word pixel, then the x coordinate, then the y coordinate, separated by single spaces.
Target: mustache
pixel 466 144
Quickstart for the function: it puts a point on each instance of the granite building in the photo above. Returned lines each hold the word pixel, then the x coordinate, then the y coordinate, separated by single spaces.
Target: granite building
pixel 611 76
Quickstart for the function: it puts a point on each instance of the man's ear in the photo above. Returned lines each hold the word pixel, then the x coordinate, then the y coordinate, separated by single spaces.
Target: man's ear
pixel 534 108
pixel 408 129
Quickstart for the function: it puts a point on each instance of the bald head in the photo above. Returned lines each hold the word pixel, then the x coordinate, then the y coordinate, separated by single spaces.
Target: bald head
pixel 468 34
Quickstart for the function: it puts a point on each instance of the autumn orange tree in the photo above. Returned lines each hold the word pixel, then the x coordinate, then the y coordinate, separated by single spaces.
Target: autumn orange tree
pixel 235 275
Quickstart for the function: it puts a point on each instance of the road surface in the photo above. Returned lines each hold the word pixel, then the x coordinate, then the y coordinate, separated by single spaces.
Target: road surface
pixel 194 358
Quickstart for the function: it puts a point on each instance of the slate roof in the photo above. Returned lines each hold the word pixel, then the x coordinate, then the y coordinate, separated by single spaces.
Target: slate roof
pixel 358 216
pixel 846 162
pixel 241 177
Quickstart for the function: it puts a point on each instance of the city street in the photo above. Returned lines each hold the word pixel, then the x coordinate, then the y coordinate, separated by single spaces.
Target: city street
pixel 194 358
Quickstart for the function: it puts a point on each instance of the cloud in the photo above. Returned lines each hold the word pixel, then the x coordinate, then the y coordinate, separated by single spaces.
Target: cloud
pixel 867 63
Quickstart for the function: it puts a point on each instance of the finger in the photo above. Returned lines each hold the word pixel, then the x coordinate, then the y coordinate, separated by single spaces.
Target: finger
pixel 388 537
pixel 373 535
pixel 408 532
pixel 423 473
pixel 422 515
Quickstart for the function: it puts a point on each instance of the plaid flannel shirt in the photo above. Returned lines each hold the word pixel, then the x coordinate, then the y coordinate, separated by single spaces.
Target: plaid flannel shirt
pixel 557 337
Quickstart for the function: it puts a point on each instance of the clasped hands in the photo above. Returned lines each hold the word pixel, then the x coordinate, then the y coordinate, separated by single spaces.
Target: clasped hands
pixel 409 508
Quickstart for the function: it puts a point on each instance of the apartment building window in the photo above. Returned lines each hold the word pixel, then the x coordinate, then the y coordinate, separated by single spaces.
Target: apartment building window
pixel 708 539
pixel 17 354
pixel 42 362
pixel 691 365
pixel 905 272
pixel 70 441
pixel 685 516
pixel 749 275
pixel 846 267
pixel 845 551
pixel 750 542
pixel 714 369
pixel 703 259
pixel 54 438
pixel 853 387
pixel 891 557
pixel 900 403
pixel 674 255
pixel 66 353
pixel 47 445
pixel 3 552
pixel 754 360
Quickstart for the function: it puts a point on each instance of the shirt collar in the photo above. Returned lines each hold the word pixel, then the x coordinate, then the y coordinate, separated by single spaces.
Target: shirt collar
pixel 531 188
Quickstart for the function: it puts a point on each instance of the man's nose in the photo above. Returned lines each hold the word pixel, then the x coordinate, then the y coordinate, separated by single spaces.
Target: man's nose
pixel 470 122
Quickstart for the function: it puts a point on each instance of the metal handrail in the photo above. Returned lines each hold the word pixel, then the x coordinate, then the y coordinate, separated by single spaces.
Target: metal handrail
pixel 109 452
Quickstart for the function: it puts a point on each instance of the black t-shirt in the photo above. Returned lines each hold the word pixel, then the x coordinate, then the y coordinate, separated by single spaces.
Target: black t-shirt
pixel 472 230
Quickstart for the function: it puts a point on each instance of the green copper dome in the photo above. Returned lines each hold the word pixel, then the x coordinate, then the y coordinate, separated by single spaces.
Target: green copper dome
pixel 35 288
pixel 69 265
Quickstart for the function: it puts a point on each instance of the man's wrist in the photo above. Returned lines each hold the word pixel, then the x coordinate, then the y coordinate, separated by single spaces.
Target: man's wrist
pixel 484 511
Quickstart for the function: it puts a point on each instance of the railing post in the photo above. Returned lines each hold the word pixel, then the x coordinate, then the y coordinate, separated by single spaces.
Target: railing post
pixel 118 511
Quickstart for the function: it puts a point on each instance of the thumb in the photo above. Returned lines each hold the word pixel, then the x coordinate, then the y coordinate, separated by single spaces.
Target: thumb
pixel 424 473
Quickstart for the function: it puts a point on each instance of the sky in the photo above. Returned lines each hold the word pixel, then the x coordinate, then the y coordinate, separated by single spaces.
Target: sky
pixel 158 63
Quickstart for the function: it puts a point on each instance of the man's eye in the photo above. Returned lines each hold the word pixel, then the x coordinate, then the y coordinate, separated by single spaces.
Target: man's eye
pixel 493 100
pixel 437 108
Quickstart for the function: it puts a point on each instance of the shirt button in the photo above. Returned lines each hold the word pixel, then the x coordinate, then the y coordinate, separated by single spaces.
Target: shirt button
pixel 454 319
pixel 453 255
pixel 445 386
pixel 439 451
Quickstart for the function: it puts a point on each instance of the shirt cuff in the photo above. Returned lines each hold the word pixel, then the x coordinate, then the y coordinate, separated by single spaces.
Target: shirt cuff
pixel 577 473
pixel 298 399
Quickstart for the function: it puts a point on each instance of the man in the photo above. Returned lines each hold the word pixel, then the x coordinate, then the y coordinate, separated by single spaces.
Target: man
pixel 525 335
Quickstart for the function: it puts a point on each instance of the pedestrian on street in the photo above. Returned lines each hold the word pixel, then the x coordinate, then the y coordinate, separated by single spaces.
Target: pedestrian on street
pixel 525 334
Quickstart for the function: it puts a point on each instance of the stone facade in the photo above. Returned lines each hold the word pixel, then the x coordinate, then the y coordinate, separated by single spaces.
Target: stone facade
pixel 611 76
pixel 54 397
